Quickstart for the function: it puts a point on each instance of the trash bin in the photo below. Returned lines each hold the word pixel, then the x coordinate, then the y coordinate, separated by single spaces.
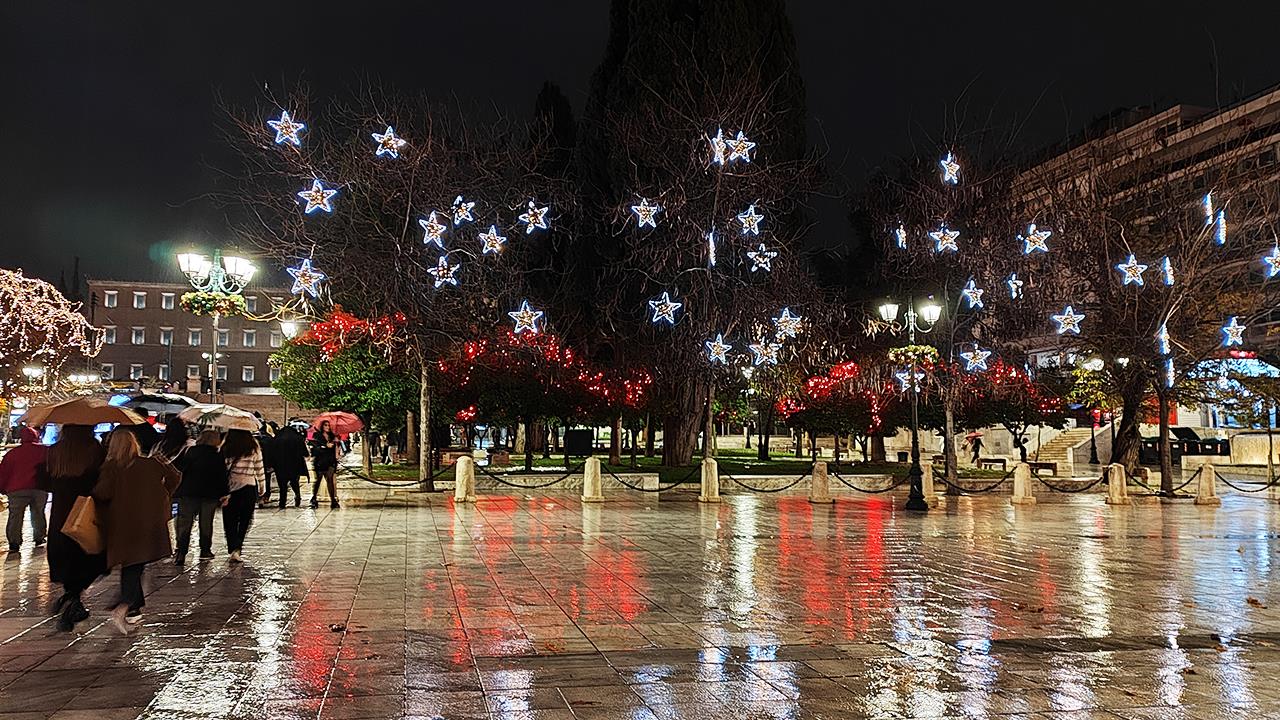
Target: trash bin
pixel 904 457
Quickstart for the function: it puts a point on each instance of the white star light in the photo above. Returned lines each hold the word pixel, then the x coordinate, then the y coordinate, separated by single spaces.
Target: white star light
pixel 718 146
pixel 750 220
pixel 1068 321
pixel 900 236
pixel 718 349
pixel 1220 229
pixel 1273 261
pixel 973 294
pixel 1169 374
pixel 286 129
pixel 1207 203
pixel 1035 240
pixel 433 230
pixel 1132 271
pixel 764 352
pixel 1162 339
pixel 739 148
pixel 462 211
pixel 664 308
pixel 306 279
pixel 317 197
pixel 444 273
pixel 788 325
pixel 711 247
pixel 1233 333
pixel 945 239
pixel 646 214
pixel 950 169
pixel 1015 286
pixel 1167 268
pixel 762 258
pixel 388 143
pixel 535 218
pixel 526 318
pixel 909 380
pixel 491 241
pixel 975 359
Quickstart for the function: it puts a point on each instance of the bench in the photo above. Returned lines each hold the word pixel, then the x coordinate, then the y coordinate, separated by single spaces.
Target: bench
pixel 1036 467
pixel 993 463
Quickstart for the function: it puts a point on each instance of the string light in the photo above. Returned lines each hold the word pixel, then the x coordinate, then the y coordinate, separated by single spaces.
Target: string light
pixel 1207 204
pixel 718 146
pixel 433 230
pixel 1035 240
pixel 317 197
pixel 909 380
pixel 1162 339
pixel 739 148
pixel 1273 261
pixel 975 359
pixel 1167 266
pixel 1015 286
pixel 764 351
pixel 718 350
pixel 1132 270
pixel 711 247
pixel 1068 321
pixel 646 214
pixel 444 273
pixel 1169 375
pixel 762 258
pixel 535 218
pixel 945 239
pixel 788 325
pixel 491 241
pixel 462 211
pixel 900 236
pixel 1220 228
pixel 39 326
pixel 950 169
pixel 526 318
pixel 750 220
pixel 1233 332
pixel 306 279
pixel 664 308
pixel 973 294
pixel 287 130
pixel 388 143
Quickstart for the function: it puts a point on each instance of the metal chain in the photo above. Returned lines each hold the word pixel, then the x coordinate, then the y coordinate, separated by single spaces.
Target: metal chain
pixel 645 489
pixel 767 490
pixel 1270 483
pixel 896 484
pixel 560 479
pixel 943 479
pixel 361 476
pixel 1063 489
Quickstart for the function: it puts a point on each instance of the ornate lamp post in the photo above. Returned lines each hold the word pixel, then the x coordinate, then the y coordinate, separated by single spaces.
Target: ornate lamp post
pixel 929 314
pixel 222 278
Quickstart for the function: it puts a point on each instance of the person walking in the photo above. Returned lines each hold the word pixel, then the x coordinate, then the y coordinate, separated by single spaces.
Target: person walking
pixel 136 492
pixel 144 431
pixel 266 443
pixel 73 464
pixel 175 440
pixel 324 459
pixel 244 473
pixel 289 458
pixel 24 481
pixel 201 492
pixel 976 444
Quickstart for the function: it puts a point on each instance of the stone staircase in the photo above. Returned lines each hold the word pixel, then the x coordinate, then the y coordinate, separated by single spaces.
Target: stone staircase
pixel 1060 449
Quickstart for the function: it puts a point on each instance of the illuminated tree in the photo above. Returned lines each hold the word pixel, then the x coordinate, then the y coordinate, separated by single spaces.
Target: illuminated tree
pixel 39 327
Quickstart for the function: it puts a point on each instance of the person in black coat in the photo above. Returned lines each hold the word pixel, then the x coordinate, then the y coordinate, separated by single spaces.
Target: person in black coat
pixel 73 465
pixel 324 458
pixel 267 444
pixel 144 431
pixel 289 462
pixel 203 486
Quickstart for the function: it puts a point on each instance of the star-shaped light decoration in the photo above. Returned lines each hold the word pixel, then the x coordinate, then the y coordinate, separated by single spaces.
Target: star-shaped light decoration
pixel 787 325
pixel 1220 228
pixel 1035 240
pixel 739 148
pixel 764 351
pixel 762 258
pixel 750 220
pixel 1207 204
pixel 286 129
pixel 1162 339
pixel 388 143
pixel 443 272
pixel 909 380
pixel 1068 321
pixel 491 242
pixel 718 147
pixel 900 237
pixel 1233 332
pixel 711 247
pixel 526 318
pixel 462 211
pixel 317 197
pixel 433 230
pixel 646 214
pixel 1015 286
pixel 306 279
pixel 1132 270
pixel 718 350
pixel 975 359
pixel 1169 375
pixel 950 169
pixel 664 308
pixel 535 218
pixel 973 294
pixel 1273 261
pixel 945 239
pixel 1166 266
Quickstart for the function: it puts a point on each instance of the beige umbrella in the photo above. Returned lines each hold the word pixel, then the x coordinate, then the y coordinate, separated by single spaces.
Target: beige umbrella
pixel 80 411
pixel 222 417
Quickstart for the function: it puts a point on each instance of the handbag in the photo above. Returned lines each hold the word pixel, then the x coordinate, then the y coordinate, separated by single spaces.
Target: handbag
pixel 84 527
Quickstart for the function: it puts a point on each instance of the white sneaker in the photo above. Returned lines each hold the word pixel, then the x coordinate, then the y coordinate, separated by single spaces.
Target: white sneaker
pixel 235 557
pixel 133 617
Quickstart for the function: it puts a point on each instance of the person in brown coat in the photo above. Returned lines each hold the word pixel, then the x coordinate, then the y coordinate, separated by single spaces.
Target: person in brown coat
pixel 135 499
pixel 73 471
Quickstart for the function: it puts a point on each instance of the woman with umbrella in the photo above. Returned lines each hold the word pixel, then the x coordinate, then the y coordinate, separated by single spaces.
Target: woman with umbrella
pixel 324 458
pixel 244 474
pixel 73 464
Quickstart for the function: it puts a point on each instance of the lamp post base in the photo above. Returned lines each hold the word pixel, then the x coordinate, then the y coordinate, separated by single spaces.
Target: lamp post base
pixel 916 500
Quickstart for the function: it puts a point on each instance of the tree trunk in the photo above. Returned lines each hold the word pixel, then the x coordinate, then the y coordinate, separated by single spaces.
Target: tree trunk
pixel 615 441
pixel 366 453
pixel 877 449
pixel 410 437
pixel 527 425
pixel 635 437
pixel 681 426
pixel 1166 455
pixel 1128 441
pixel 648 435
pixel 949 449
pixel 764 438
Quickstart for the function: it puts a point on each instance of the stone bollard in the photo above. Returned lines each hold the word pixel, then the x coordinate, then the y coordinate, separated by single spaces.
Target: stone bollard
pixel 926 485
pixel 464 483
pixel 710 481
pixel 1022 493
pixel 592 485
pixel 1206 492
pixel 1117 485
pixel 820 484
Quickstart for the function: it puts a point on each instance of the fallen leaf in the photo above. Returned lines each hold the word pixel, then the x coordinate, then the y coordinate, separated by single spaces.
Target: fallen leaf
pixel 1255 602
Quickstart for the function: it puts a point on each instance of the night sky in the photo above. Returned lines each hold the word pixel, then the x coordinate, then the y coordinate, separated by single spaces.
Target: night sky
pixel 110 123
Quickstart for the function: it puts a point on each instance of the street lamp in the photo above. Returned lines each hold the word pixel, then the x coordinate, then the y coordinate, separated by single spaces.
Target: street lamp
pixel 221 276
pixel 289 328
pixel 929 313
pixel 33 373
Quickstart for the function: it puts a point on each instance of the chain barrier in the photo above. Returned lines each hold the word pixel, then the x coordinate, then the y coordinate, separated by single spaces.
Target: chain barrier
pixel 892 486
pixel 1138 481
pixel 361 476
pixel 788 486
pixel 443 469
pixel 971 491
pixel 1270 483
pixel 485 470
pixel 641 488
pixel 1189 480
pixel 1157 491
pixel 1063 489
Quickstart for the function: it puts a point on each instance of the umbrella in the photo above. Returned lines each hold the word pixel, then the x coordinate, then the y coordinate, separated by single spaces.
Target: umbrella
pixel 222 417
pixel 342 423
pixel 80 411
pixel 161 403
pixel 972 435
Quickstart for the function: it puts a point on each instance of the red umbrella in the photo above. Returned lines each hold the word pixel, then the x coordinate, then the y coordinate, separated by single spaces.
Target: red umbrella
pixel 341 423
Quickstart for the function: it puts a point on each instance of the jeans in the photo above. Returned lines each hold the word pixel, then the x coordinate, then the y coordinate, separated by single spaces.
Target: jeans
pixel 237 516
pixel 188 509
pixel 131 586
pixel 23 502
pixel 285 483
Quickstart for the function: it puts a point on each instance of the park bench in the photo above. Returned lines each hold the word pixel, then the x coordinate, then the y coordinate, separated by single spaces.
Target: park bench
pixel 1036 467
pixel 993 463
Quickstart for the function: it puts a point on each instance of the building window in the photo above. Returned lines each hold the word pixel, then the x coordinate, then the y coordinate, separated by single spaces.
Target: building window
pixel 139 301
pixel 108 371
pixel 246 373
pixel 276 338
pixel 251 303
pixel 138 336
pixel 109 334
pixel 163 373
pixel 250 338
pixel 166 301
pixel 224 338
pixel 166 336
pixel 274 373
pixel 110 298
pixel 193 371
pixel 193 337
pixel 222 372
pixel 135 371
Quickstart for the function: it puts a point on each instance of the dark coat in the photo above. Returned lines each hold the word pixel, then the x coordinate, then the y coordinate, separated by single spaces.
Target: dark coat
pixel 204 474
pixel 324 451
pixel 136 501
pixel 146 434
pixel 289 453
pixel 69 564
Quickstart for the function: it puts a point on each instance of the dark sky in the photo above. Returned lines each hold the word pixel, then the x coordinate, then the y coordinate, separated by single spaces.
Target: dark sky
pixel 110 119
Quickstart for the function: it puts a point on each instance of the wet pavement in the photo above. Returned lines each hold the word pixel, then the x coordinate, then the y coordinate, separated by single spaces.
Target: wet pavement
pixel 540 607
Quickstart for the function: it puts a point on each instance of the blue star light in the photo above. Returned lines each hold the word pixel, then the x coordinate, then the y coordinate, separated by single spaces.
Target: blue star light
pixel 762 258
pixel 462 211
pixel 1035 240
pixel 491 241
pixel 1166 267
pixel 664 308
pixel 388 143
pixel 433 230
pixel 526 318
pixel 764 351
pixel 750 220
pixel 444 273
pixel 973 294
pixel 306 279
pixel 286 129
pixel 1273 261
pixel 909 380
pixel 646 214
pixel 317 197
pixel 945 239
pixel 718 350
pixel 1132 270
pixel 950 169
pixel 1068 321
pixel 1233 332
pixel 535 218
pixel 975 359
pixel 900 237
pixel 1015 286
